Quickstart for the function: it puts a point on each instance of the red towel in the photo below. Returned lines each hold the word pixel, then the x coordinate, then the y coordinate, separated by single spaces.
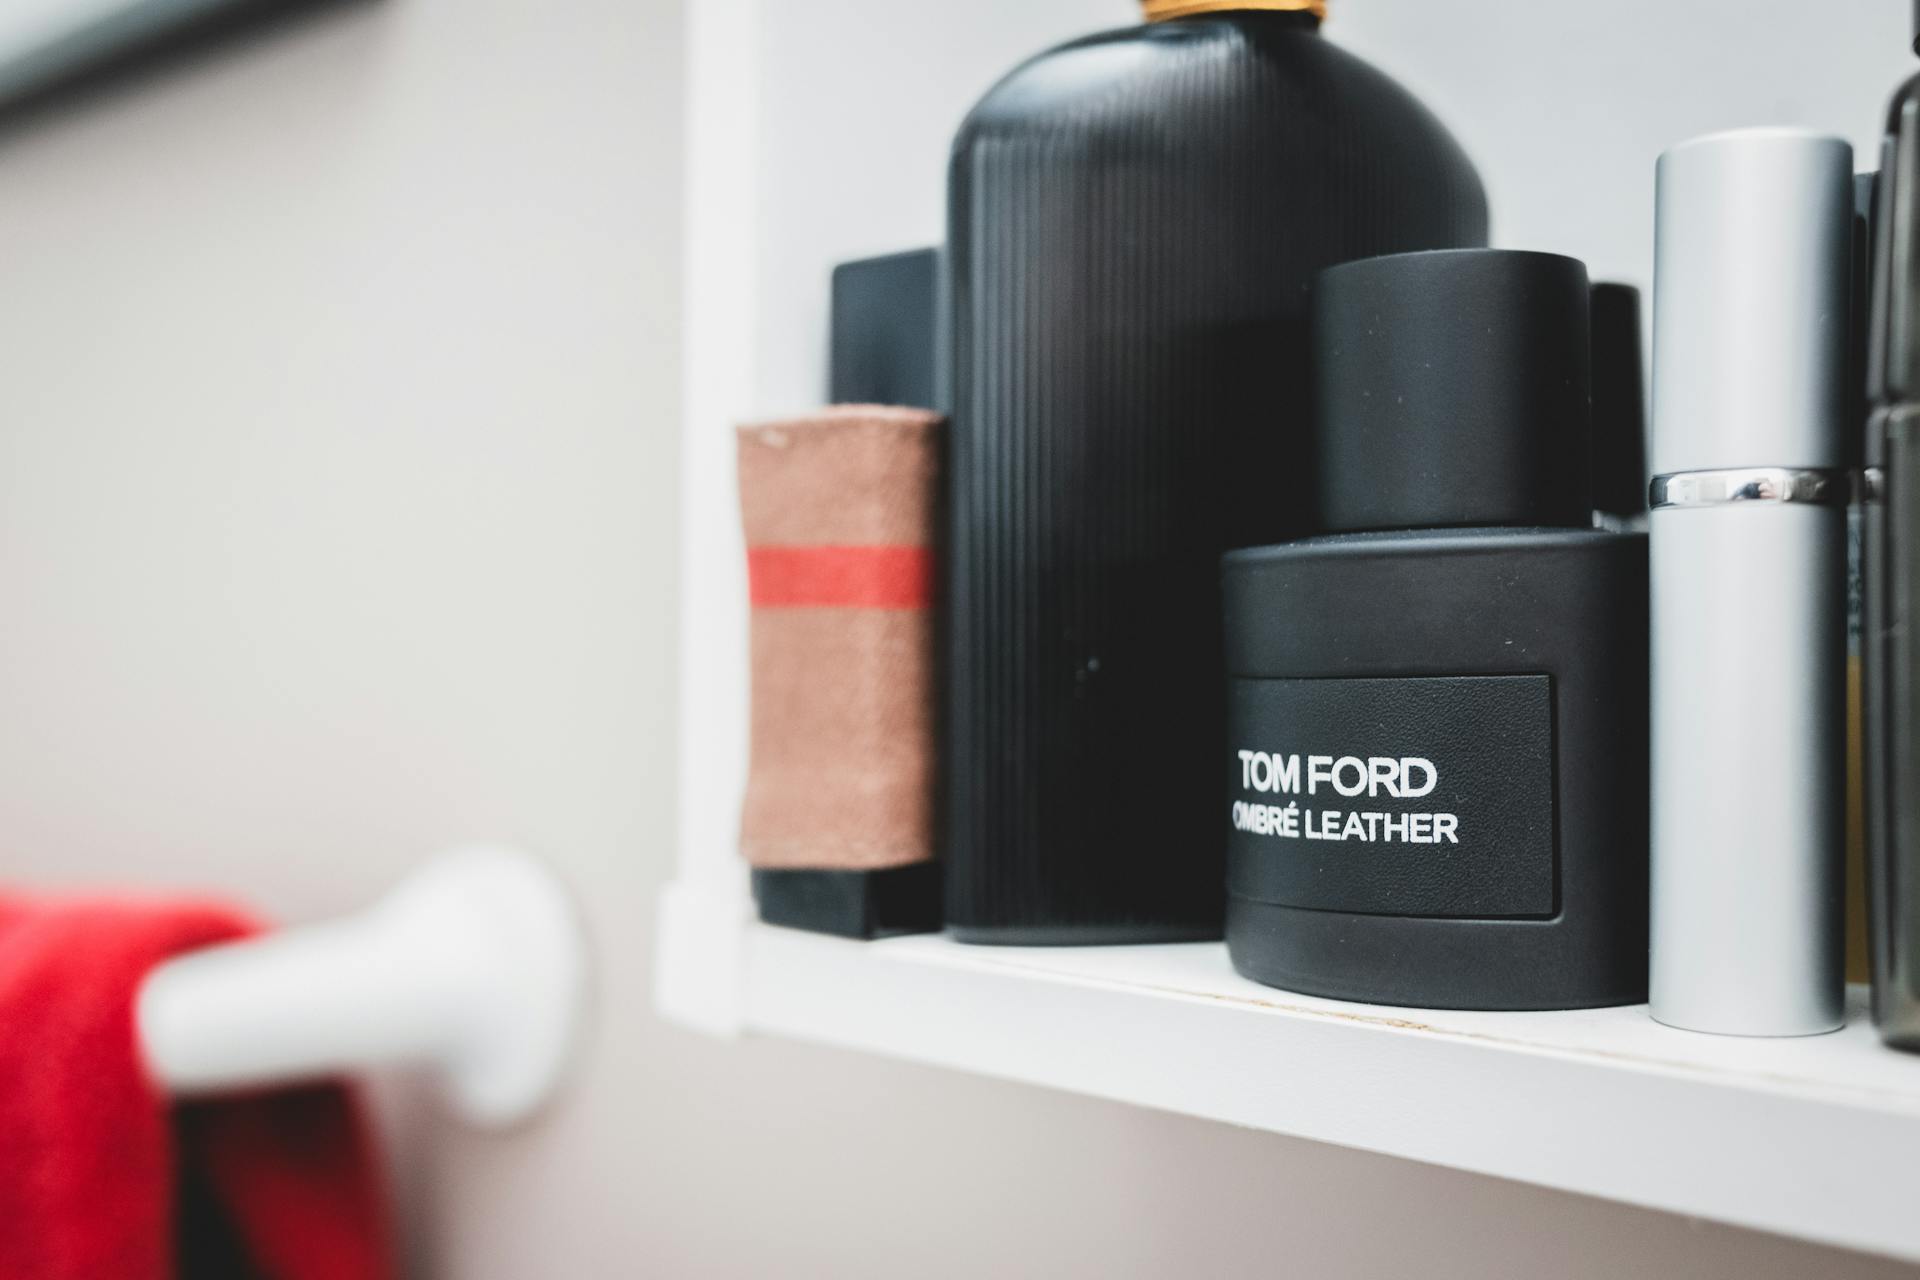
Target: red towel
pixel 102 1177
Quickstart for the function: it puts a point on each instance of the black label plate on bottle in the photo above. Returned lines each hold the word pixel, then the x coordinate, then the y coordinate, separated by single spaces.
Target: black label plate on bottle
pixel 1414 796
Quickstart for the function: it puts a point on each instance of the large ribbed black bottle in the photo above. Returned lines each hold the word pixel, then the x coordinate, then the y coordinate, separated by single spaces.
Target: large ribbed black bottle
pixel 1134 222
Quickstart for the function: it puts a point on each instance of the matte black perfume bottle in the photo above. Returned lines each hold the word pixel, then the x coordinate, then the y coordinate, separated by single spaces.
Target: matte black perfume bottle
pixel 1891 580
pixel 1135 220
pixel 1437 732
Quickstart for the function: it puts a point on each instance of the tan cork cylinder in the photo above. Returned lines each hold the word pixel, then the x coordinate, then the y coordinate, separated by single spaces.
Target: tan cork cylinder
pixel 842 768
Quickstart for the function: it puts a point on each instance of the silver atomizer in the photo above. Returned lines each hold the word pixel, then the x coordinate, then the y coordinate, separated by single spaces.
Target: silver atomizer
pixel 1748 532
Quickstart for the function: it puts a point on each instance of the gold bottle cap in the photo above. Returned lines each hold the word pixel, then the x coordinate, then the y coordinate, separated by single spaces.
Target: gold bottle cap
pixel 1161 10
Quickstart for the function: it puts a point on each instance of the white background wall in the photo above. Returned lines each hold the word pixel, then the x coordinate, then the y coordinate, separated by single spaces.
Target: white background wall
pixel 338 419
pixel 337 523
pixel 1563 104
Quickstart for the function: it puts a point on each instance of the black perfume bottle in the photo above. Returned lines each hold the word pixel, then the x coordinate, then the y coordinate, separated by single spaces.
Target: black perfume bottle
pixel 1437 743
pixel 1134 222
pixel 1891 579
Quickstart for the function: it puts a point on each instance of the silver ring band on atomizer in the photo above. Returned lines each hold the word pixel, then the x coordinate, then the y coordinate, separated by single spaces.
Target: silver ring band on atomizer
pixel 1805 485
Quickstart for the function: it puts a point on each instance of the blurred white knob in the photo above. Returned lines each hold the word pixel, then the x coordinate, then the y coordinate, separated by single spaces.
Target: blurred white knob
pixel 475 966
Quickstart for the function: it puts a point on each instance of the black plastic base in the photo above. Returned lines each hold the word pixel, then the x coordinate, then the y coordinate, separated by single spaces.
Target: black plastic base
pixel 852 904
pixel 1080 935
pixel 1421 962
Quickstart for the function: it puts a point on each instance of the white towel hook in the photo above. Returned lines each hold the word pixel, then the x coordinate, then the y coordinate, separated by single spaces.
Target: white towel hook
pixel 475 965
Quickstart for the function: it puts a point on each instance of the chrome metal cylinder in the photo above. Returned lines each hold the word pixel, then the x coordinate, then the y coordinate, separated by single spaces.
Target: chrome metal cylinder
pixel 1748 544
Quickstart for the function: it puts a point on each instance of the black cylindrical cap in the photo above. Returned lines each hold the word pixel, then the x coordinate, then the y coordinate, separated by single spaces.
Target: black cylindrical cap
pixel 1619 402
pixel 1452 389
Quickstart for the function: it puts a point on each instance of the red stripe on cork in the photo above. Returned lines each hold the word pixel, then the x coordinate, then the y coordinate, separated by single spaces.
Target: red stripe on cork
pixel 840 577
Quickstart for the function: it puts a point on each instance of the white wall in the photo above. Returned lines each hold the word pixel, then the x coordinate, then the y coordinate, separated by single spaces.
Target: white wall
pixel 337 510
pixel 338 435
pixel 1564 106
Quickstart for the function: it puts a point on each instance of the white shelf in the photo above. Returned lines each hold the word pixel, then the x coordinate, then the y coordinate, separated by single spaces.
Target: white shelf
pixel 1816 1138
